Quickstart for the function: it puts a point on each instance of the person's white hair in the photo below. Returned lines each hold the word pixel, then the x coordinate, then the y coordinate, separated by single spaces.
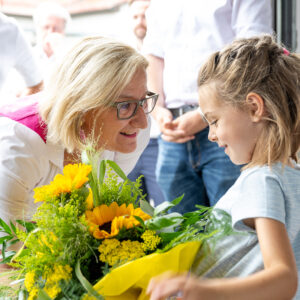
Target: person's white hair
pixel 50 9
pixel 89 78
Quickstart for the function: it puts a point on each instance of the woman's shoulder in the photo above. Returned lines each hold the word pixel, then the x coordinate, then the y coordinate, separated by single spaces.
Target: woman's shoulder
pixel 20 143
pixel 24 112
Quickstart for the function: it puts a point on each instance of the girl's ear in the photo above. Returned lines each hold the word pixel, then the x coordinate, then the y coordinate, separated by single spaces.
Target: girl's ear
pixel 256 106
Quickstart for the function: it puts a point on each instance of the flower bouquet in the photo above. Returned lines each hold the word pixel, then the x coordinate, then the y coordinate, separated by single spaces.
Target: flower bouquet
pixel 95 237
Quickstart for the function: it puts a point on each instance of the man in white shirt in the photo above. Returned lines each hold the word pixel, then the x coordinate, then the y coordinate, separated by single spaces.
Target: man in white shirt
pixel 16 53
pixel 146 164
pixel 50 21
pixel 137 10
pixel 176 44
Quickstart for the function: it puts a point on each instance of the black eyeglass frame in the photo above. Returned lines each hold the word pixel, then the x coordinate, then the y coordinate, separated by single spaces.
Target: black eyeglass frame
pixel 141 102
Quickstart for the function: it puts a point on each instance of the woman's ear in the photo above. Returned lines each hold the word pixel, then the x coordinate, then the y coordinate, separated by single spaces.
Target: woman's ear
pixel 256 106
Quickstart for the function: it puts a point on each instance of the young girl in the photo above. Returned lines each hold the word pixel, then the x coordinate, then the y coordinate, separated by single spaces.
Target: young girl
pixel 249 95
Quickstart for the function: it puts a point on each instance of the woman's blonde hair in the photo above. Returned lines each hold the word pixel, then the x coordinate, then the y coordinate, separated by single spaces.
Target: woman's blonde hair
pixel 90 77
pixel 261 66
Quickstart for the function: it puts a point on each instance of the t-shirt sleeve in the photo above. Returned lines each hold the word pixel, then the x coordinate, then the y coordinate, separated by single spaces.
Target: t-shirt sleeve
pixel 154 40
pixel 21 169
pixel 26 62
pixel 251 17
pixel 260 195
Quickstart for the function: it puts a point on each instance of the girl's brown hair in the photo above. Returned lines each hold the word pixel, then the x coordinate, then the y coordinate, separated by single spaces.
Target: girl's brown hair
pixel 261 66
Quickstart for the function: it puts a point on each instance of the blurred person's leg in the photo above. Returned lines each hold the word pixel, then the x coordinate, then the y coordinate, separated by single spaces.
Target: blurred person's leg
pixel 198 169
pixel 149 168
pixel 217 170
pixel 146 166
pixel 137 172
pixel 176 176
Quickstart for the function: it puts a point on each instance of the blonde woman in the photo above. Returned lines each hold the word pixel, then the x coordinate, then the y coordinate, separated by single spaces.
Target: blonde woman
pixel 98 90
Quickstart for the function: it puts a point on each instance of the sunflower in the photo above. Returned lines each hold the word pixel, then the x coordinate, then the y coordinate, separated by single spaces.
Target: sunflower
pixel 74 177
pixel 106 221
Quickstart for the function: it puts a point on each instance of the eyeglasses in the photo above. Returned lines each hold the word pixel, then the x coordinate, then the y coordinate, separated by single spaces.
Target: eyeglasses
pixel 127 109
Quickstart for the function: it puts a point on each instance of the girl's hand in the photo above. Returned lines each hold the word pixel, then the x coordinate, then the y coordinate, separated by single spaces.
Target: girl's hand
pixel 166 285
pixel 169 284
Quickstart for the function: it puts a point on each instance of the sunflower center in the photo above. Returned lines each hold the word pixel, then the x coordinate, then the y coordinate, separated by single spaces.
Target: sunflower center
pixel 106 227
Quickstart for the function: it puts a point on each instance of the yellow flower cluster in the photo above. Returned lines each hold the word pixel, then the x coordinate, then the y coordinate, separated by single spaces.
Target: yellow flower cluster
pixel 116 253
pixel 151 240
pixel 29 284
pixel 53 277
pixel 74 177
pixel 48 241
pixel 33 293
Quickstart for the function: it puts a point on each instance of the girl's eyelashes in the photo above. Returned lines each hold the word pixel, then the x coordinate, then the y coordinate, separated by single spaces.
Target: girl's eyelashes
pixel 213 123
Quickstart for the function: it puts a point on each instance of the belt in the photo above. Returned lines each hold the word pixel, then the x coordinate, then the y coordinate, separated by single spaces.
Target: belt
pixel 179 111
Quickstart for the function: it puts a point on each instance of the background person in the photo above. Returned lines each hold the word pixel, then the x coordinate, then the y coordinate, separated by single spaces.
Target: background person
pixel 98 91
pixel 50 21
pixel 181 34
pixel 138 20
pixel 16 53
pixel 254 113
pixel 146 164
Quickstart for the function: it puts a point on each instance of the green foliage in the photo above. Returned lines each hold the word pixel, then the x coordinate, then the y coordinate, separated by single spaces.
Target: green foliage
pixel 7 292
pixel 132 234
pixel 72 289
pixel 85 283
pixel 10 237
pixel 105 181
pixel 61 237
pixel 114 190
pixel 202 224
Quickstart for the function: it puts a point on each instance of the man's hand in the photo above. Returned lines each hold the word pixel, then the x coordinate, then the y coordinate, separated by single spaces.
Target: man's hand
pixel 183 128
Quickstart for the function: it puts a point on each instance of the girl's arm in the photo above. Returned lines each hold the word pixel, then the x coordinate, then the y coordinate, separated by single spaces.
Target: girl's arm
pixel 278 280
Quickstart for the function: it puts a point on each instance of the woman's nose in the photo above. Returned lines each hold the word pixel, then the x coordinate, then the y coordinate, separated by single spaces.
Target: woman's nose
pixel 212 135
pixel 140 119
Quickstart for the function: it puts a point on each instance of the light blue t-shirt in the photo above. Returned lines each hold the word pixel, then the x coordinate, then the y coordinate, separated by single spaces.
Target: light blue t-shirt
pixel 258 192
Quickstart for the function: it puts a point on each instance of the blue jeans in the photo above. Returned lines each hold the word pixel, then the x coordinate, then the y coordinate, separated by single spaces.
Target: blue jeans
pixel 199 169
pixel 146 166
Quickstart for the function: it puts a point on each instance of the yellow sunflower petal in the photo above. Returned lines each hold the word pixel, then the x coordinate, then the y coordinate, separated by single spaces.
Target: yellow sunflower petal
pixel 107 214
pixel 123 210
pixel 138 212
pixel 90 217
pixel 89 200
pixel 101 234
pixel 114 207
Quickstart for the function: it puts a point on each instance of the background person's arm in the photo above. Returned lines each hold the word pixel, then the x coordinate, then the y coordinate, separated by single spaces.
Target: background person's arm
pixel 155 84
pixel 27 65
pixel 251 18
pixel 32 89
